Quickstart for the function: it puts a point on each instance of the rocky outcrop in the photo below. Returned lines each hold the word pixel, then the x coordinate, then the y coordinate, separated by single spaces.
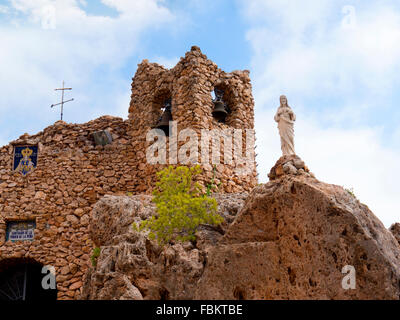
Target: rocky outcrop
pixel 289 239
pixel 395 230
pixel 131 266
pixel 292 240
pixel 289 165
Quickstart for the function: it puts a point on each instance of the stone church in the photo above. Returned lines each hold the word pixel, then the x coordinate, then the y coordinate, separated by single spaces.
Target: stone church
pixel 50 181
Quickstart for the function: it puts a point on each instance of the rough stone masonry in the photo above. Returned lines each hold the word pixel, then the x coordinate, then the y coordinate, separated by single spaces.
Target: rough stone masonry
pixel 72 173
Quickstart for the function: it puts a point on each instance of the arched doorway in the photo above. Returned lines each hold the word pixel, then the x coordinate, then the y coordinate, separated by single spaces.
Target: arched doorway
pixel 21 279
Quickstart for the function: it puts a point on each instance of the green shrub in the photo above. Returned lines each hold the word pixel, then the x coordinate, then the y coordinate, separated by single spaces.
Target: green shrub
pixel 94 256
pixel 350 192
pixel 181 207
pixel 210 187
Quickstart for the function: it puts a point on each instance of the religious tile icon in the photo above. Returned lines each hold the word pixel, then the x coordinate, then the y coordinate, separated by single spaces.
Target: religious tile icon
pixel 25 159
pixel 20 230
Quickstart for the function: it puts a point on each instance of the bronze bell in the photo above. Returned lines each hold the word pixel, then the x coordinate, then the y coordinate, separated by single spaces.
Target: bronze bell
pixel 163 123
pixel 219 112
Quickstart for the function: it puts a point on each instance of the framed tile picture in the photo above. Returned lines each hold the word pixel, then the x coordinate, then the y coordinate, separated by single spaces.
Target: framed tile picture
pixel 20 230
pixel 25 159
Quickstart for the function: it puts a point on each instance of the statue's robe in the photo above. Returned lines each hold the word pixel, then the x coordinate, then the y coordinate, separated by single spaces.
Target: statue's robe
pixel 286 130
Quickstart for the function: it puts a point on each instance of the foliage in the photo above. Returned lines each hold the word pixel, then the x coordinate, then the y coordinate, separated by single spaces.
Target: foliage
pixel 211 186
pixel 181 206
pixel 94 256
pixel 350 192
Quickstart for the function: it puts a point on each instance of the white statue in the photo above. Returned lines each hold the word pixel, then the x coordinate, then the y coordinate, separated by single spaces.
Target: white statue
pixel 286 118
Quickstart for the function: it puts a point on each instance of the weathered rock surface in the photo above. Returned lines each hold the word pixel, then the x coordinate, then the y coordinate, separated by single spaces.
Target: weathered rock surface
pixel 289 165
pixel 290 239
pixel 395 230
pixel 153 272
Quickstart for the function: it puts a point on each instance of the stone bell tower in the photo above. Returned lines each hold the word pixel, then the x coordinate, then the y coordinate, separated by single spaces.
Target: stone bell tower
pixel 189 88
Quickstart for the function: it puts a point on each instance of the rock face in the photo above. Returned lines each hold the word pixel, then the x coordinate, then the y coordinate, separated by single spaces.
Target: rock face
pixel 131 266
pixel 395 229
pixel 290 239
pixel 289 164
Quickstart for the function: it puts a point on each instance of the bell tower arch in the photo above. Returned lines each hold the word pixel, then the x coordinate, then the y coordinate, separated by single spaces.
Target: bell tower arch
pixel 189 86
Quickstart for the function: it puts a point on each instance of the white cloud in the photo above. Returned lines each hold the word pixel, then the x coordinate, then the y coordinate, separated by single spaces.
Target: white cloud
pixel 139 10
pixel 396 138
pixel 3 9
pixel 293 16
pixel 354 158
pixel 308 52
pixel 303 50
pixel 42 47
pixel 166 62
pixel 98 39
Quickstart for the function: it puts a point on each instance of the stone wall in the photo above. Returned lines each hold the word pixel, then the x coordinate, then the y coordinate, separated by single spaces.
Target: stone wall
pixel 73 173
pixel 190 84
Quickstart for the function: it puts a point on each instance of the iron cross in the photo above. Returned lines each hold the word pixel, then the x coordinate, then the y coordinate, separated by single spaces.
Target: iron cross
pixel 62 99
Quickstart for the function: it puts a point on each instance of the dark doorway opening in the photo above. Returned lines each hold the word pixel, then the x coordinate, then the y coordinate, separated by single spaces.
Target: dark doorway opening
pixel 22 280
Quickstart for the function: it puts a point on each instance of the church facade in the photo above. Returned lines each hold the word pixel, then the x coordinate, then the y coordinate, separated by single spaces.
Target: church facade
pixel 50 181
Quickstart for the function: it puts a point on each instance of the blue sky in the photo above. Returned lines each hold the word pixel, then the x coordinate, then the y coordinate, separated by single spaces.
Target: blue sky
pixel 336 61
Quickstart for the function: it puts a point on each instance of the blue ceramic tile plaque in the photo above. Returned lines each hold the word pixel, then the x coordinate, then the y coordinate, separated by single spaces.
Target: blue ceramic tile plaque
pixel 25 159
pixel 20 230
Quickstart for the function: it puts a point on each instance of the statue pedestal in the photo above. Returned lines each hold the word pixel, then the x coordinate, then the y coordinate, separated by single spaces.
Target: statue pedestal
pixel 289 165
